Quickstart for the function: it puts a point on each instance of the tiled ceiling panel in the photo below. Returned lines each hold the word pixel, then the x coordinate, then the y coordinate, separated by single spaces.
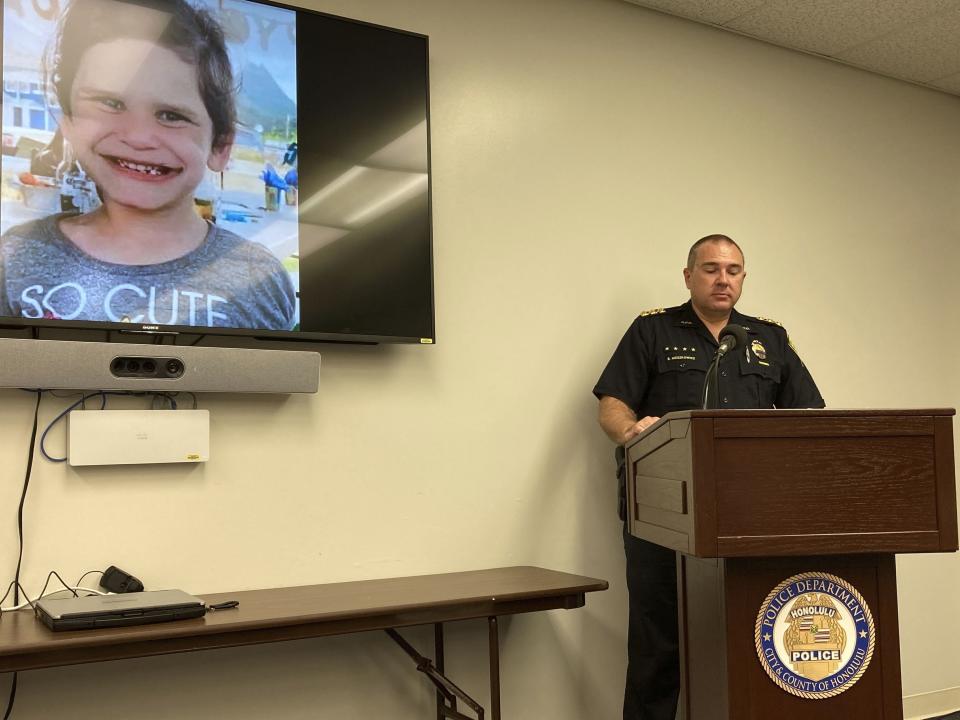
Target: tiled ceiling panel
pixel 707 11
pixel 913 40
pixel 828 27
pixel 925 51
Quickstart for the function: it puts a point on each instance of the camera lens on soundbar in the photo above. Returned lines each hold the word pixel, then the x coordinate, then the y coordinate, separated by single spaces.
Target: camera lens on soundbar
pixel 146 367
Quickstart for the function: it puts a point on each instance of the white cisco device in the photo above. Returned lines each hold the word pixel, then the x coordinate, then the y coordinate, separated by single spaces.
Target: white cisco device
pixel 135 437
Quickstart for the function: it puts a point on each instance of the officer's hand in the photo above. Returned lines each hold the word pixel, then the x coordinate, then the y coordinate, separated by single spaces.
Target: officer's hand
pixel 638 427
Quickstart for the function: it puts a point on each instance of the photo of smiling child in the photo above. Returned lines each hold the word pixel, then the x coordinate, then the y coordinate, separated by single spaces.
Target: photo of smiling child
pixel 147 110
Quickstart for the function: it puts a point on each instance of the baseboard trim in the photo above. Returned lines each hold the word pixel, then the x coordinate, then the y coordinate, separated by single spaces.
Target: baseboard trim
pixel 931 704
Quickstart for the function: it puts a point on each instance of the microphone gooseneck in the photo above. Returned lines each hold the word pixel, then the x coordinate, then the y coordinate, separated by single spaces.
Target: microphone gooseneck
pixel 732 336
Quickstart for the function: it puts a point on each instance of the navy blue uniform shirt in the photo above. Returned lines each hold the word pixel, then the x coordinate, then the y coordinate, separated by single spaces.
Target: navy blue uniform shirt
pixel 662 360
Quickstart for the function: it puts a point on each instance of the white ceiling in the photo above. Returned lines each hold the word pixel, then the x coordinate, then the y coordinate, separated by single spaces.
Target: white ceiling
pixel 913 40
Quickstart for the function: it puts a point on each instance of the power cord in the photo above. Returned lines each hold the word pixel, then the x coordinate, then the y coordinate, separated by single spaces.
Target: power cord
pixel 12 697
pixel 23 494
pixel 23 498
pixel 75 589
pixel 15 584
pixel 88 572
pixel 17 588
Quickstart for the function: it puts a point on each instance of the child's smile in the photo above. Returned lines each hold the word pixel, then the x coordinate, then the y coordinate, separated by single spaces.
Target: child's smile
pixel 142 171
pixel 139 126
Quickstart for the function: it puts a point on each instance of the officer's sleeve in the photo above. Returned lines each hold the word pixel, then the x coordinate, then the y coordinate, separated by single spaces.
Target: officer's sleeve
pixel 797 388
pixel 626 375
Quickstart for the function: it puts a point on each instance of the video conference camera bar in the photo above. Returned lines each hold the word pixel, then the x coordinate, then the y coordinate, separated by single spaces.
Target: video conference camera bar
pixel 71 365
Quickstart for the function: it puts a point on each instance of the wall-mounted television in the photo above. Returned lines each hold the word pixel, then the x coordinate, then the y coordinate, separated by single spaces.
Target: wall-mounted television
pixel 223 167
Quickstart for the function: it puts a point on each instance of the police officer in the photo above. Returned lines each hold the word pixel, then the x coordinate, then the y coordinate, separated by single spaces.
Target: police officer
pixel 659 366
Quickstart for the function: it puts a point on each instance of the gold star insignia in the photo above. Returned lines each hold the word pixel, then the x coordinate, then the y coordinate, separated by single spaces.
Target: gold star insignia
pixel 766 637
pixel 863 633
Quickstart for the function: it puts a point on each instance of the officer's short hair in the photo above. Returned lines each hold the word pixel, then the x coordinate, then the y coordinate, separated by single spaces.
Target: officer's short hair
pixel 692 255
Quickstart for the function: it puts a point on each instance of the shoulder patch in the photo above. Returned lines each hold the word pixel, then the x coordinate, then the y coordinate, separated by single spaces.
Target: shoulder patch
pixel 769 321
pixel 655 311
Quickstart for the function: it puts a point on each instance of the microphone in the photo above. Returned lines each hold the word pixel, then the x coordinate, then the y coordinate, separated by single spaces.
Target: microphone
pixel 732 336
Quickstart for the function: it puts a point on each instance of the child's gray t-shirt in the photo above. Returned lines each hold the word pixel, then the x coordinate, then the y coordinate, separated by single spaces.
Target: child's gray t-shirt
pixel 226 282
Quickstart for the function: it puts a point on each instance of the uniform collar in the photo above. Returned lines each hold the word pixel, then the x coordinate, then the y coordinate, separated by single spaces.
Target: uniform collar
pixel 687 317
pixel 744 321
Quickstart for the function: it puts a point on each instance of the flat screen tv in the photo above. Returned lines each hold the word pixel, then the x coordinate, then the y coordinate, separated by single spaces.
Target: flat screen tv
pixel 214 167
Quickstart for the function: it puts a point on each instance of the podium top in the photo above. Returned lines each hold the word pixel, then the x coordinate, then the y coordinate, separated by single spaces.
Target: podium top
pixel 793 413
pixel 748 483
pixel 817 412
pixel 822 412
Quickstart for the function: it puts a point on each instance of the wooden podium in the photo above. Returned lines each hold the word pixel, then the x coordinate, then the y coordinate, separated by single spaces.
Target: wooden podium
pixel 750 498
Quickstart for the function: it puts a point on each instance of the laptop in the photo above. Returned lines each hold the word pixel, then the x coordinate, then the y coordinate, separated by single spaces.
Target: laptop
pixel 100 611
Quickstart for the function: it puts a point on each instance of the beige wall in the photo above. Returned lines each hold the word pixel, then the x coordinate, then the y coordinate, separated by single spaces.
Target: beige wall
pixel 579 146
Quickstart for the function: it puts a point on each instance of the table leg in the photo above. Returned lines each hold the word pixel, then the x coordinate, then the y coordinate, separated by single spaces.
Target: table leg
pixel 445 687
pixel 438 661
pixel 494 668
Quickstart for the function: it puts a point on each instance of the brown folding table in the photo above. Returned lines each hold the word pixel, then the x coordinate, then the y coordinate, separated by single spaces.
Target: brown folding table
pixel 293 613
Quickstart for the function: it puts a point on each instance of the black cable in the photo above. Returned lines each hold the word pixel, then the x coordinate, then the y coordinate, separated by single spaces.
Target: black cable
pixel 43 593
pixel 62 582
pixel 23 496
pixel 16 601
pixel 4 598
pixel 176 396
pixel 79 582
pixel 54 393
pixel 14 584
pixel 13 696
pixel 169 397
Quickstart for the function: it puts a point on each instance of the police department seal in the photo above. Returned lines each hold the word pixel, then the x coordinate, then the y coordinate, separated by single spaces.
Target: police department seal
pixel 815 635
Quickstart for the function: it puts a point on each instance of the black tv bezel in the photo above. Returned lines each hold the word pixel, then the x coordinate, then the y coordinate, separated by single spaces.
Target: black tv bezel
pixel 281 336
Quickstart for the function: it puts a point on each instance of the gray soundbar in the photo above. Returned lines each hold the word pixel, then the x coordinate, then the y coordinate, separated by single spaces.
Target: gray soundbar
pixel 69 365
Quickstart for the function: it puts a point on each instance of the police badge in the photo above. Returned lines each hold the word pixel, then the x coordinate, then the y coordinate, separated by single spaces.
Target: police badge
pixel 815 635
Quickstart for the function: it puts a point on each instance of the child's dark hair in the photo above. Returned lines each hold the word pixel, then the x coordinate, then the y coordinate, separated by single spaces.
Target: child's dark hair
pixel 192 33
